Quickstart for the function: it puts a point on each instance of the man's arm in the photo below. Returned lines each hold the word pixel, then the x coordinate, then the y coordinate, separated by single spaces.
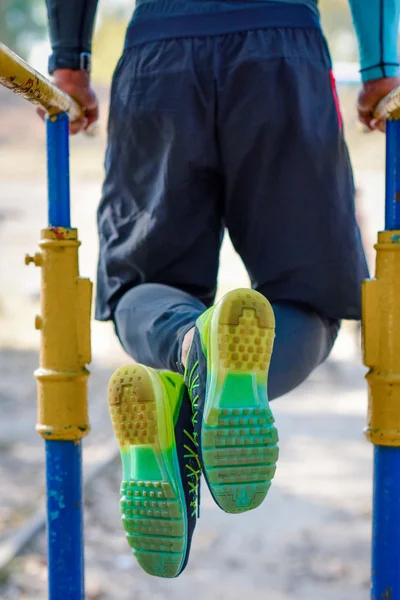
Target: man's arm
pixel 377 26
pixel 71 28
pixel 71 24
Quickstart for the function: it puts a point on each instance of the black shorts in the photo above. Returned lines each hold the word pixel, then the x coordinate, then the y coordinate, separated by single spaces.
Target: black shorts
pixel 239 131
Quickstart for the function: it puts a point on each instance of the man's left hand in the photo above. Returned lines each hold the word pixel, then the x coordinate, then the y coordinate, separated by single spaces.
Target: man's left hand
pixel 372 92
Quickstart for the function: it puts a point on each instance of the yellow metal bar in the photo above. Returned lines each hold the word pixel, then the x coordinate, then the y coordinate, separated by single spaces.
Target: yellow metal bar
pixel 22 79
pixel 64 324
pixel 389 107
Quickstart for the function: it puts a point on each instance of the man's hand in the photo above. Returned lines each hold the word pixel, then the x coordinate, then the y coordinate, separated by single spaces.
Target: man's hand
pixel 371 94
pixel 77 85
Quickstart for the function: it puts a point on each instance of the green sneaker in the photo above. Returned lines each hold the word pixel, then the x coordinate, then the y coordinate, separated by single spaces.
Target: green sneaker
pixel 151 415
pixel 226 375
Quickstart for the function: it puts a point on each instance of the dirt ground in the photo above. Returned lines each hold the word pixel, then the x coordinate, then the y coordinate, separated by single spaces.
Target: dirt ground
pixel 309 541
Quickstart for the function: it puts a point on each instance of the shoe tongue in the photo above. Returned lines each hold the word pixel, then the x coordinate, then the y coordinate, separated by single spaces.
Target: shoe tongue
pixel 203 327
pixel 204 317
pixel 175 388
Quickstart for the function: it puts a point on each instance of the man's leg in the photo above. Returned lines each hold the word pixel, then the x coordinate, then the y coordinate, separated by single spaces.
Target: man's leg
pixel 289 189
pixel 289 208
pixel 155 324
pixel 160 215
pixel 151 321
pixel 159 221
pixel 303 341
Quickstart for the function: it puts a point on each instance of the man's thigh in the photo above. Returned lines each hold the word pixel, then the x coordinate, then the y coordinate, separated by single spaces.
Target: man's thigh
pixel 289 186
pixel 159 219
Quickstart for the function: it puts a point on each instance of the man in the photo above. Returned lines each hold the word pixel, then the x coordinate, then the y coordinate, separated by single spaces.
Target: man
pixel 223 114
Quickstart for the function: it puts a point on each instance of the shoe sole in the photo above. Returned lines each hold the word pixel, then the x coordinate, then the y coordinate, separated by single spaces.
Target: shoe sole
pixel 152 498
pixel 239 440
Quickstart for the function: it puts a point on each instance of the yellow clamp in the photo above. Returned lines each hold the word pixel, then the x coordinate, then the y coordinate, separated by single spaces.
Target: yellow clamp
pixel 381 342
pixel 65 337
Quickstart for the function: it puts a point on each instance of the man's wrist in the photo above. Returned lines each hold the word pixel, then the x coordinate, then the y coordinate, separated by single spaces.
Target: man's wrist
pixel 386 82
pixel 68 78
pixel 381 71
pixel 73 60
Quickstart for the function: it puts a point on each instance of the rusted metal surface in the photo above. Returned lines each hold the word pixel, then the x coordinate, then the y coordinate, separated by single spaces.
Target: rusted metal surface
pixel 389 107
pixel 22 79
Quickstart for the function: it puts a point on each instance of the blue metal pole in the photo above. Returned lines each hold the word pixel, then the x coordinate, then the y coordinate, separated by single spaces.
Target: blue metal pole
pixel 386 525
pixel 63 458
pixel 64 520
pixel 392 201
pixel 386 496
pixel 58 171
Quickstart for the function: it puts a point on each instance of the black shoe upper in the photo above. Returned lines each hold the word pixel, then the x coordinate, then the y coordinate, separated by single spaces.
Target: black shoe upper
pixel 196 382
pixel 189 464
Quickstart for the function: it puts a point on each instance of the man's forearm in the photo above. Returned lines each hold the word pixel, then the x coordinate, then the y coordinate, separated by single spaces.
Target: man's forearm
pixel 377 24
pixel 71 27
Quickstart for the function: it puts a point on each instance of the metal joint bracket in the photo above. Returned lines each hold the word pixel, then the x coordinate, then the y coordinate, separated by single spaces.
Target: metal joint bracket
pixel 65 331
pixel 381 342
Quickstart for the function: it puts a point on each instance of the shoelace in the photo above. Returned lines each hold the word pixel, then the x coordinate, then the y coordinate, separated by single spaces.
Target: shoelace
pixel 193 384
pixel 194 473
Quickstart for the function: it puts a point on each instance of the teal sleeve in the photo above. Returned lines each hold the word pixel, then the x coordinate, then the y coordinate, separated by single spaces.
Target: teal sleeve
pixel 377 25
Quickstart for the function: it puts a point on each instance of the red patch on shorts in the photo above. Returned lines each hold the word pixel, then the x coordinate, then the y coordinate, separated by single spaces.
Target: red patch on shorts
pixel 336 100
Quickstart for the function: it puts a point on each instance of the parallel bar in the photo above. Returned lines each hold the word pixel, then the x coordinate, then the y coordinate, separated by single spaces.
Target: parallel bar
pixel 64 518
pixel 23 80
pixel 386 496
pixel 386 524
pixel 58 171
pixel 63 458
pixel 389 107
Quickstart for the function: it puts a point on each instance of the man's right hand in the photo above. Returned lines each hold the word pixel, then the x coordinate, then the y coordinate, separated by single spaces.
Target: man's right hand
pixel 77 85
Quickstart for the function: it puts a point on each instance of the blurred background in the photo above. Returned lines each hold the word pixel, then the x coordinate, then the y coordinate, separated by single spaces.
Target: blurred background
pixel 310 540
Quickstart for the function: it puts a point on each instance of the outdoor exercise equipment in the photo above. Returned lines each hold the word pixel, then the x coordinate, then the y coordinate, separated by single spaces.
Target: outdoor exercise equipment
pixel 64 324
pixel 381 342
